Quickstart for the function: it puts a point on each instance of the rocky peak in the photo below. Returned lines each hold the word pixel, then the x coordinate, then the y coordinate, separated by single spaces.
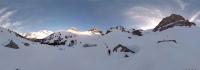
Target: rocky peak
pixel 171 21
pixel 94 30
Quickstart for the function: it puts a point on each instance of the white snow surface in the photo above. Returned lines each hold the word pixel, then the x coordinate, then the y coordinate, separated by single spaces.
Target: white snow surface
pixel 37 35
pixel 150 55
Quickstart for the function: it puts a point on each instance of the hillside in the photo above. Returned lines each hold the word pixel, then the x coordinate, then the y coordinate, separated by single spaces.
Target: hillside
pixel 173 48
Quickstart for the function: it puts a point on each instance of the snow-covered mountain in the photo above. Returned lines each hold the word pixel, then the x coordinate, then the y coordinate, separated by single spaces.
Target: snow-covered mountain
pixel 70 37
pixel 37 35
pixel 172 45
pixel 7 36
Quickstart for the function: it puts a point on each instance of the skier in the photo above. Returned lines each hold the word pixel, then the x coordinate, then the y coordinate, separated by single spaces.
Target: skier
pixel 109 52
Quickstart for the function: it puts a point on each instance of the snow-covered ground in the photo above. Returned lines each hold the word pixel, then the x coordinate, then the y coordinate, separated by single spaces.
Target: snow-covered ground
pixel 172 49
pixel 37 35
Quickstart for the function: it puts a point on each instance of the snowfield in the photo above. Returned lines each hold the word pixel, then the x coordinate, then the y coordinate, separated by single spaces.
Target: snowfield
pixel 37 35
pixel 149 53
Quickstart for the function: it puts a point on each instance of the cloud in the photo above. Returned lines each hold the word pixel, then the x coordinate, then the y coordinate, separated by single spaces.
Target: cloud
pixel 5 19
pixel 3 10
pixel 198 21
pixel 181 4
pixel 195 16
pixel 149 17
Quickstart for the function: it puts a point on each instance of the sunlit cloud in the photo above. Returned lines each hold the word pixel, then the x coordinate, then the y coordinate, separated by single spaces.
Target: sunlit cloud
pixel 149 17
pixel 195 16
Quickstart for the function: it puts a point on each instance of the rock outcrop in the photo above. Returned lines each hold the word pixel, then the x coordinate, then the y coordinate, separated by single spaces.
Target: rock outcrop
pixel 96 31
pixel 121 48
pixel 171 21
pixel 12 45
pixel 137 32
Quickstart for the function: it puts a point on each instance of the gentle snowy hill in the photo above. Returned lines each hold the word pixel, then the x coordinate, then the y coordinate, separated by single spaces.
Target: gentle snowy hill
pixel 7 36
pixel 172 45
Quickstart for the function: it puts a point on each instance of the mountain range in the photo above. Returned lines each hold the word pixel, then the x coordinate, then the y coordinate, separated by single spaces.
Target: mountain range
pixel 172 45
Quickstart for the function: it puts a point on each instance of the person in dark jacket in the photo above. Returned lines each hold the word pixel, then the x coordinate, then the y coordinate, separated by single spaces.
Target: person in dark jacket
pixel 109 52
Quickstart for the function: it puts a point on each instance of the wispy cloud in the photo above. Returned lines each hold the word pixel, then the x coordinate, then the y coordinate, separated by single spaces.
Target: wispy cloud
pixel 2 10
pixel 149 17
pixel 5 19
pixel 195 17
pixel 181 4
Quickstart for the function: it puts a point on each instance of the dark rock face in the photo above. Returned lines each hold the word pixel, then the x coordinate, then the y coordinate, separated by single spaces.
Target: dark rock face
pixel 123 49
pixel 12 45
pixel 137 32
pixel 108 31
pixel 171 21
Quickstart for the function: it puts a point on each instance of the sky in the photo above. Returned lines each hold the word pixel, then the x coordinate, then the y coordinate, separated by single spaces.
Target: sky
pixel 56 15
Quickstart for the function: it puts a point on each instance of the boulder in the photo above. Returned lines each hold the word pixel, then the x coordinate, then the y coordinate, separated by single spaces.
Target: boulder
pixel 137 32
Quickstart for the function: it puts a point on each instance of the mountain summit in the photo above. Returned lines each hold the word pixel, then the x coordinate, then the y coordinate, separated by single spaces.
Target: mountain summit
pixel 171 21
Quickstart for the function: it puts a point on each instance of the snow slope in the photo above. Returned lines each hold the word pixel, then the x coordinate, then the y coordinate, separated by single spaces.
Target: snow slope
pixel 37 35
pixel 7 35
pixel 149 55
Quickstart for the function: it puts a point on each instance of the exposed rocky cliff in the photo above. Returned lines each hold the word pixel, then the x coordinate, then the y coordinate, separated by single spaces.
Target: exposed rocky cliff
pixel 171 21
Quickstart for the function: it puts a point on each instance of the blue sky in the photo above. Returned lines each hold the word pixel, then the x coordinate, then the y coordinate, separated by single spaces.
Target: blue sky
pixel 55 15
